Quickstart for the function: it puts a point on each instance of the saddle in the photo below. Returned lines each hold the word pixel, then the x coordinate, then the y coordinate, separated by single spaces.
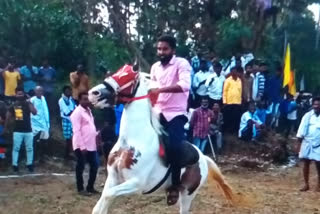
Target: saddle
pixel 189 158
pixel 189 155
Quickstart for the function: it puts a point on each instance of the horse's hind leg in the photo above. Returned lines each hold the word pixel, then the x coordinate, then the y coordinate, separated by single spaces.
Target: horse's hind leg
pixel 128 187
pixel 185 201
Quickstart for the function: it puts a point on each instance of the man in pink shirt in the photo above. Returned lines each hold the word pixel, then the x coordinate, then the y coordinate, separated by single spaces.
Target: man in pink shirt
pixel 172 76
pixel 84 144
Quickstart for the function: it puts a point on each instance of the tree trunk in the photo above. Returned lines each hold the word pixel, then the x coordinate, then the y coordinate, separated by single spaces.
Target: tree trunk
pixel 120 25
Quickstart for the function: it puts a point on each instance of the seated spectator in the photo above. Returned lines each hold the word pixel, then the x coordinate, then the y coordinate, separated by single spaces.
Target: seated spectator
pixel 261 111
pixel 250 124
pixel 40 122
pixel 200 123
pixel 67 105
pixel 216 126
pixel 29 76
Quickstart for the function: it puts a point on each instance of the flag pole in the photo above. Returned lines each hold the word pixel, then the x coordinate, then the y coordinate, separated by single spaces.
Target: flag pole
pixel 285 44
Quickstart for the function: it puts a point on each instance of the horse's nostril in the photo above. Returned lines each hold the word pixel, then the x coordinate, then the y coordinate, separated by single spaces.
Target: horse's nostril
pixel 95 93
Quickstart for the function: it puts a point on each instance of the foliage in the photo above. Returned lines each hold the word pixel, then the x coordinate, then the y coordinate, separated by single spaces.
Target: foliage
pixel 232 32
pixel 41 28
pixel 69 31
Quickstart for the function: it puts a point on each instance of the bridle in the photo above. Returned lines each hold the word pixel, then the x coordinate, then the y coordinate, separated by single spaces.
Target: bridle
pixel 125 92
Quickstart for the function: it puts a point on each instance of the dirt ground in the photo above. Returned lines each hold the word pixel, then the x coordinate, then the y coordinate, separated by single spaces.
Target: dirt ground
pixel 262 192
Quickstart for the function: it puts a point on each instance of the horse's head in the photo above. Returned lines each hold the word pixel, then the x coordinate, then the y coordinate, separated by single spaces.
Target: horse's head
pixel 121 84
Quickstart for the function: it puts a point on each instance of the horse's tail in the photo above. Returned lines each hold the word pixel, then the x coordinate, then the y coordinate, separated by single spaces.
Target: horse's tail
pixel 215 174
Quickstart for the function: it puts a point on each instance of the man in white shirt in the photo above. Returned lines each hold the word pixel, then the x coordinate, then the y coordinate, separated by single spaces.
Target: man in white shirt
pixel 309 139
pixel 214 85
pixel 40 122
pixel 199 81
pixel 255 85
pixel 250 124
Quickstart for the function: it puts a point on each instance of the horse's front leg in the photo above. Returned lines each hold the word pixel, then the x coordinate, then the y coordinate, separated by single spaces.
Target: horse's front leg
pixel 109 192
pixel 103 204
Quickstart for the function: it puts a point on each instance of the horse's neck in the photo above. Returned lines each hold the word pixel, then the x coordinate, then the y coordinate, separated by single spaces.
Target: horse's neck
pixel 137 119
pixel 139 110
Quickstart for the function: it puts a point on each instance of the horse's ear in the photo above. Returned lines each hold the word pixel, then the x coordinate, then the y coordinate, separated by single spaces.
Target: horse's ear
pixel 135 66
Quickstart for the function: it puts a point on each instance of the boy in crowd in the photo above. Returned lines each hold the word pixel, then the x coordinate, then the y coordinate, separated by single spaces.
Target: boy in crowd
pixel 200 124
pixel 247 82
pixel 250 124
pixel 261 111
pixel 291 116
pixel 29 75
pixel 216 126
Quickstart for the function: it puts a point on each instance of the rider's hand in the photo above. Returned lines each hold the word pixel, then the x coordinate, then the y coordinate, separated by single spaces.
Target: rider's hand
pixel 153 95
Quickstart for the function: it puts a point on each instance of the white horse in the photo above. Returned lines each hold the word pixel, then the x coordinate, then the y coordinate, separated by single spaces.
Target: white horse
pixel 134 164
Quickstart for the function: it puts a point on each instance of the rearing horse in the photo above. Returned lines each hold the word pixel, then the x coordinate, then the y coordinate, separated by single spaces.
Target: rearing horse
pixel 134 164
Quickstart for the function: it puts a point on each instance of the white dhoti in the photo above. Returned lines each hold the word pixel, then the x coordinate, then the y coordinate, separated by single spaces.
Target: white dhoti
pixel 309 131
pixel 310 150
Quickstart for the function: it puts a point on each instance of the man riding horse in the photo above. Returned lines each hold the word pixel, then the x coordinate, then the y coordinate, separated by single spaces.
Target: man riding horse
pixel 172 77
pixel 136 163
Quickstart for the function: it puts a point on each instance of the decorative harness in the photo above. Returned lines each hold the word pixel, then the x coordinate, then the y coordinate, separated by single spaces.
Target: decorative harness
pixel 125 83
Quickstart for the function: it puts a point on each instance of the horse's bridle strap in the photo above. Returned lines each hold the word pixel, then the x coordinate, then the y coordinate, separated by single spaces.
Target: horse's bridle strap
pixel 130 99
pixel 108 86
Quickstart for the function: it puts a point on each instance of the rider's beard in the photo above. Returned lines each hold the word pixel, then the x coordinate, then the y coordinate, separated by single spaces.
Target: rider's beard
pixel 165 59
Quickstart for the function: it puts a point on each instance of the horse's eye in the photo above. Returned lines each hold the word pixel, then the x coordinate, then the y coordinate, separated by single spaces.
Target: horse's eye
pixel 96 93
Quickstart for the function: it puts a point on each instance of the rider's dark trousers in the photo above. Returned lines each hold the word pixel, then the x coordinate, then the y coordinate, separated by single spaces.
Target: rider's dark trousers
pixel 176 132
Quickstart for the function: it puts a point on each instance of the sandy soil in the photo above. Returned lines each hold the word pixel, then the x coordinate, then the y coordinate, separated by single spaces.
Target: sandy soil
pixel 263 192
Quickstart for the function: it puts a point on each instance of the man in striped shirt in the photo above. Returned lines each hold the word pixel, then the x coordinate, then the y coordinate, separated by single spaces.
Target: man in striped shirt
pixel 200 124
pixel 258 81
pixel 262 79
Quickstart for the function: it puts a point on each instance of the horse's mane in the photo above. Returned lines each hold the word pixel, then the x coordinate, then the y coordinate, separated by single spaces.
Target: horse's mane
pixel 155 121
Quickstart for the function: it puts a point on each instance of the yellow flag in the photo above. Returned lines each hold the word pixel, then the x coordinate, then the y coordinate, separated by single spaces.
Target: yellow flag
pixel 292 84
pixel 288 75
pixel 287 67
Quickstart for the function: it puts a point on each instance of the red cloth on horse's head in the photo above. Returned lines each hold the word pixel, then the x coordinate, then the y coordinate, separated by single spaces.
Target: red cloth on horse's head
pixel 127 79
